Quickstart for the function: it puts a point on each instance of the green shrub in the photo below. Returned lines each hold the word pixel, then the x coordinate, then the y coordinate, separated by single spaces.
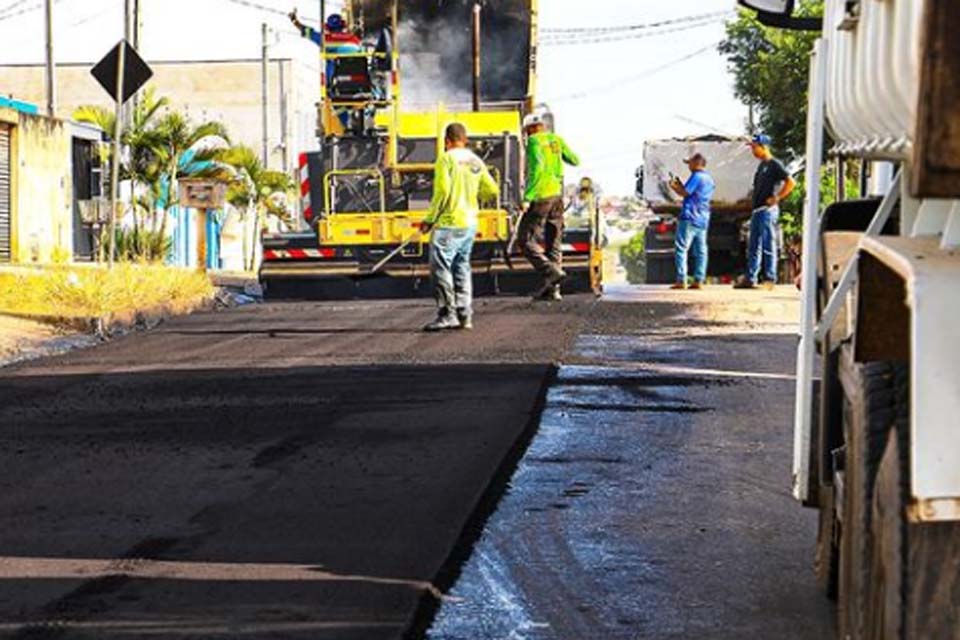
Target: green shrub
pixel 633 259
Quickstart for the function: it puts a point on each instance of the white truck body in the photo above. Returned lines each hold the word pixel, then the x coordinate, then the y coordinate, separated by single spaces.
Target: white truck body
pixel 729 161
pixel 866 85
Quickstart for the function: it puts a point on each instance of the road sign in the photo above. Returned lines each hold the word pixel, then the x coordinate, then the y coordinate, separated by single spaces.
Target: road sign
pixel 136 72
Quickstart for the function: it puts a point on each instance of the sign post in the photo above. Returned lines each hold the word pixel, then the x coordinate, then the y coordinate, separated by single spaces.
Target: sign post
pixel 204 195
pixel 121 73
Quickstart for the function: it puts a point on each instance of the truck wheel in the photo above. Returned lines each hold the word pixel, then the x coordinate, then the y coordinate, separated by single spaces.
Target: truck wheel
pixel 916 591
pixel 870 410
pixel 827 438
pixel 827 561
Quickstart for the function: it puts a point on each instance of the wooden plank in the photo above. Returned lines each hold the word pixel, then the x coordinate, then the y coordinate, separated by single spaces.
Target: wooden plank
pixel 936 161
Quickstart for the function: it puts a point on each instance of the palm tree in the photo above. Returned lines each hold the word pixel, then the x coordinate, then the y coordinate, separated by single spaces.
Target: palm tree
pixel 175 135
pixel 160 147
pixel 137 135
pixel 254 189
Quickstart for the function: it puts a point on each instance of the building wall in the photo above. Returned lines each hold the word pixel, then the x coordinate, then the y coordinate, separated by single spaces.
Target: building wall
pixel 41 188
pixel 228 91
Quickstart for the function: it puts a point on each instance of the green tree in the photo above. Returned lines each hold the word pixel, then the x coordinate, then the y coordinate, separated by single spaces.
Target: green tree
pixel 771 69
pixel 254 190
pixel 633 258
pixel 139 164
pixel 174 135
pixel 155 141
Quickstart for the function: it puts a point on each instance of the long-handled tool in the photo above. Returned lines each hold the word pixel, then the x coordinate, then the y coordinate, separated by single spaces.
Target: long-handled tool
pixel 375 269
pixel 516 215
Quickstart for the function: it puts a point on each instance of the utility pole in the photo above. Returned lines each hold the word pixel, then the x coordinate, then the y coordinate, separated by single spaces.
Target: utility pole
pixel 263 97
pixel 127 24
pixel 476 56
pixel 283 116
pixel 137 26
pixel 51 73
pixel 127 111
pixel 115 160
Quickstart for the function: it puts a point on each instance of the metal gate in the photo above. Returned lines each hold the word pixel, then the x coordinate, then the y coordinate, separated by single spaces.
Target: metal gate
pixel 4 193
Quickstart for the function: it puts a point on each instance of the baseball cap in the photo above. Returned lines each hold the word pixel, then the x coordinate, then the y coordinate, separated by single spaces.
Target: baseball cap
pixel 532 120
pixel 761 139
pixel 697 157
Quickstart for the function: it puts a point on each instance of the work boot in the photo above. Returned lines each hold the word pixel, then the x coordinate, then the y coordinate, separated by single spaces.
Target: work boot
pixel 678 286
pixel 551 280
pixel 444 322
pixel 466 320
pixel 696 286
pixel 744 283
pixel 551 295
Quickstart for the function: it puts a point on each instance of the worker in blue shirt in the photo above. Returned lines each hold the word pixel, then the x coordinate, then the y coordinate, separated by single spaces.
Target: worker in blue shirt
pixel 772 184
pixel 694 221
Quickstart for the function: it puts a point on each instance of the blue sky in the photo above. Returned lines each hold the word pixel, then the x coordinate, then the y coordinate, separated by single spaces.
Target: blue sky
pixel 608 97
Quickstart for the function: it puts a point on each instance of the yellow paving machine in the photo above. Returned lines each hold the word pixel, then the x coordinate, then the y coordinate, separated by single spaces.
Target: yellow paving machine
pixel 384 107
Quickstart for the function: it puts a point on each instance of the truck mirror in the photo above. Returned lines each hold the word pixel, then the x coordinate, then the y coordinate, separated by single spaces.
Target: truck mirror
pixel 780 7
pixel 779 14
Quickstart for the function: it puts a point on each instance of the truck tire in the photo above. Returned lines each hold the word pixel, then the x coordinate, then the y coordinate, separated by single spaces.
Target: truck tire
pixel 871 408
pixel 916 592
pixel 827 560
pixel 826 439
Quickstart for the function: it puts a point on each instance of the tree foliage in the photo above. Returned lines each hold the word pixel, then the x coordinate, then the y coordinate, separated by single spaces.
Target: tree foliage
pixel 771 69
pixel 156 141
pixel 255 190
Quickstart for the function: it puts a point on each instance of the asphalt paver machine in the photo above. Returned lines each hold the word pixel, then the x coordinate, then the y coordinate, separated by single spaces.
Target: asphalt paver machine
pixel 382 117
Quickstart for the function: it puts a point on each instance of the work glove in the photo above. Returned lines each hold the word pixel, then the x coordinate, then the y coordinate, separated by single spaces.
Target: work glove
pixel 426 227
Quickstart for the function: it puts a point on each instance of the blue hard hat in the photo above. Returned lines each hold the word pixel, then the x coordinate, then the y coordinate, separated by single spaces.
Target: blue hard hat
pixel 762 139
pixel 336 23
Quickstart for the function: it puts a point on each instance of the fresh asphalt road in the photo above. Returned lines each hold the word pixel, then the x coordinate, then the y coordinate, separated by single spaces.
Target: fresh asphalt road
pixel 653 501
pixel 319 470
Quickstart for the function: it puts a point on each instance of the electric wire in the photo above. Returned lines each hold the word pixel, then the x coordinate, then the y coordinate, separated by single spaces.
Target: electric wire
pixel 640 27
pixel 20 12
pixel 268 9
pixel 11 7
pixel 620 37
pixel 591 92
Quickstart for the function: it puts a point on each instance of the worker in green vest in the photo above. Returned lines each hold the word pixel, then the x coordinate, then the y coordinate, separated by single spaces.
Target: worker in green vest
pixel 460 181
pixel 543 203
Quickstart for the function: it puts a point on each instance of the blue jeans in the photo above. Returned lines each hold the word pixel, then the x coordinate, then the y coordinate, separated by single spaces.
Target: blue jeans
pixel 450 270
pixel 691 237
pixel 763 249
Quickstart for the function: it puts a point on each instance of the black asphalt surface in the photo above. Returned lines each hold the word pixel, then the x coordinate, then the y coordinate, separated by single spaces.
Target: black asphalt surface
pixel 320 470
pixel 653 502
pixel 278 471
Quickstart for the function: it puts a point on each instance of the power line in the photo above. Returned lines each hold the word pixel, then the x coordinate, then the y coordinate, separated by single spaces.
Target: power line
pixel 33 7
pixel 589 93
pixel 11 7
pixel 639 27
pixel 620 37
pixel 267 9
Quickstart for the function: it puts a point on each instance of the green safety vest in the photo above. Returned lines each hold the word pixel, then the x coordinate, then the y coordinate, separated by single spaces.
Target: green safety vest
pixel 460 181
pixel 546 153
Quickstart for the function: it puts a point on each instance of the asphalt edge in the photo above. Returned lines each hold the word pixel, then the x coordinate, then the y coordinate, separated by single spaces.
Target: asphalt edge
pixel 486 506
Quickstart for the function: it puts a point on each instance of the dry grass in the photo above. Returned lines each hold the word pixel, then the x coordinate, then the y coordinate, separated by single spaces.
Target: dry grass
pixel 70 293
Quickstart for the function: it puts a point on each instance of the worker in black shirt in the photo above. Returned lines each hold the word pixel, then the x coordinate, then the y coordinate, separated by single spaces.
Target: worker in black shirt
pixel 771 184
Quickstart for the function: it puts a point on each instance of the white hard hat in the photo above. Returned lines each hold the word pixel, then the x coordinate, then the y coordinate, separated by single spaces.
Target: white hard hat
pixel 532 120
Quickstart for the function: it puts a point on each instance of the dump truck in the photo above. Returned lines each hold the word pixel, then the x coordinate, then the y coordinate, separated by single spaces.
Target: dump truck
pixel 383 113
pixel 732 166
pixel 877 436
